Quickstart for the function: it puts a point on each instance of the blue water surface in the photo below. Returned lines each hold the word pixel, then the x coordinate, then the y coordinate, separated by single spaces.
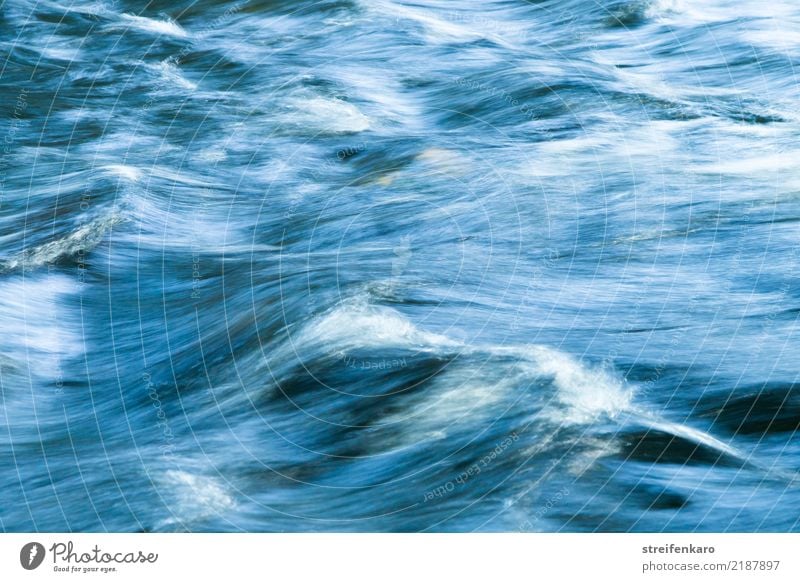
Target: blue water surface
pixel 383 265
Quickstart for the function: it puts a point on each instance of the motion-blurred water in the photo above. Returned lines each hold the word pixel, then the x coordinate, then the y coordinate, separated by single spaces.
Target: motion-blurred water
pixel 390 266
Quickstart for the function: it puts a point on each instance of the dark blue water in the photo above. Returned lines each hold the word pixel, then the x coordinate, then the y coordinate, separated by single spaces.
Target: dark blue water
pixel 393 266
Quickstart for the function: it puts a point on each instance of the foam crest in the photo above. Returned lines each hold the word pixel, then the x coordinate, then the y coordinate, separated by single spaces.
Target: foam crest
pixel 195 496
pixel 170 74
pixel 586 394
pixel 82 240
pixel 326 115
pixel 162 27
pixel 128 172
pixel 359 325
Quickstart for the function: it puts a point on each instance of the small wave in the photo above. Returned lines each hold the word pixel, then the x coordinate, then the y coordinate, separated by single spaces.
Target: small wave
pixel 586 394
pixel 438 28
pixel 195 497
pixel 128 172
pixel 631 13
pixel 697 436
pixel 170 74
pixel 583 394
pixel 359 325
pixel 161 27
pixel 326 115
pixel 83 240
pixel 676 444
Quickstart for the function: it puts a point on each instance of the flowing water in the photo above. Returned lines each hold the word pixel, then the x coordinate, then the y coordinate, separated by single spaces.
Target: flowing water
pixel 375 265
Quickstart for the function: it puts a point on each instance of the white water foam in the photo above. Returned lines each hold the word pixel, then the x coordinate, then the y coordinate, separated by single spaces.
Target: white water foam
pixel 357 324
pixel 194 496
pixel 586 394
pixel 163 27
pixel 128 172
pixel 659 8
pixel 326 115
pixel 84 239
pixel 171 76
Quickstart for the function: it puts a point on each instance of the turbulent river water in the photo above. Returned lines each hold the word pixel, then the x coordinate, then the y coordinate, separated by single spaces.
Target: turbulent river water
pixel 389 266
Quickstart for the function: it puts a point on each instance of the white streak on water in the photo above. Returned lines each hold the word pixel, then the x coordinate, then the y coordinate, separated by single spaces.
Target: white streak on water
pixel 165 27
